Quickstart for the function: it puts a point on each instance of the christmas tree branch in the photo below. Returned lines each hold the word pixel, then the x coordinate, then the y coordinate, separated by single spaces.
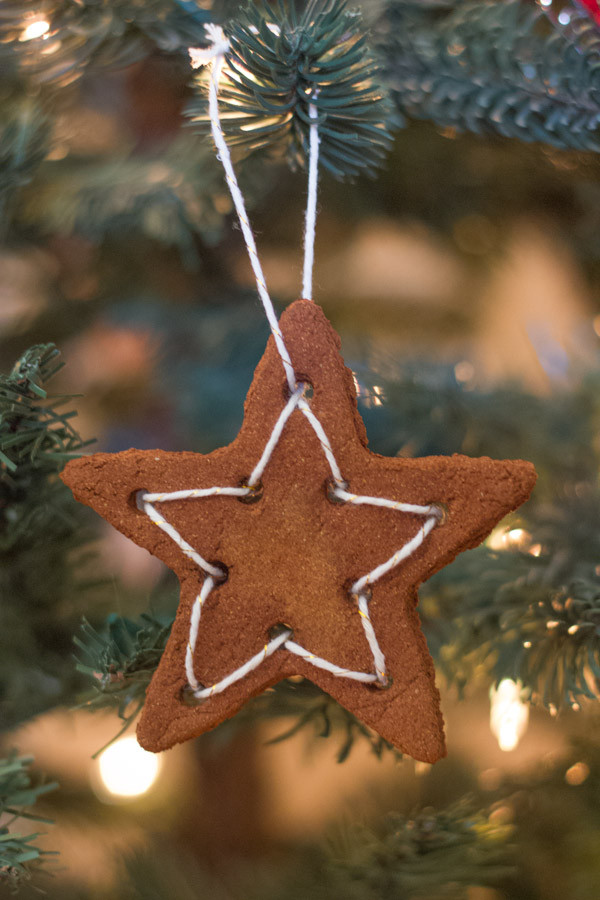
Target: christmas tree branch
pixel 496 68
pixel 421 855
pixel 36 440
pixel 40 526
pixel 18 853
pixel 533 619
pixel 280 64
pixel 24 142
pixel 429 854
pixel 76 36
pixel 171 197
pixel 120 659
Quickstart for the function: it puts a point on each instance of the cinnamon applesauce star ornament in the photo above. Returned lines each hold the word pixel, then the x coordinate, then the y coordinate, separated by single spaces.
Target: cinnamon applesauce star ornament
pixel 299 551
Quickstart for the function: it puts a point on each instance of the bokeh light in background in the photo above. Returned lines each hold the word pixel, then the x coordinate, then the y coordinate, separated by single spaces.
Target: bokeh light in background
pixel 126 770
pixel 507 538
pixel 35 29
pixel 509 714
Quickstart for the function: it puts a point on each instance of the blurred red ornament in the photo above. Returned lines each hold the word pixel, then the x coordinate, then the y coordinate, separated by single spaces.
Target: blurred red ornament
pixel 592 7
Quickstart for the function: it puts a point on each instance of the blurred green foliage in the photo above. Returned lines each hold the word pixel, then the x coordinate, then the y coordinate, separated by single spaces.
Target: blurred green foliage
pixel 19 854
pixel 40 527
pixel 496 67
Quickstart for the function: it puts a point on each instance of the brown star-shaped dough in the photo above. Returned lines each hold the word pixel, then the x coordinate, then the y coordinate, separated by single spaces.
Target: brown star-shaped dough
pixel 292 554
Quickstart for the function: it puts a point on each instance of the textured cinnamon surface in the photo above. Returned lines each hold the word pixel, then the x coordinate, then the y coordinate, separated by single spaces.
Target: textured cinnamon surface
pixel 292 554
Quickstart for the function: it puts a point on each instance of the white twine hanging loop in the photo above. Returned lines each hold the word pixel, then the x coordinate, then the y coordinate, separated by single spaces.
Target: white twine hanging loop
pixel 216 55
pixel 310 226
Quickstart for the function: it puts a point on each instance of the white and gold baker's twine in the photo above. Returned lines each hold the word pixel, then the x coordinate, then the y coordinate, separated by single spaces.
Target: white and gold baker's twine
pixel 360 590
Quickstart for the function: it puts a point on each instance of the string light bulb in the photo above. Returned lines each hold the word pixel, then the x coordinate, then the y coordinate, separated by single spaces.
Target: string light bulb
pixel 503 538
pixel 509 714
pixel 126 770
pixel 35 29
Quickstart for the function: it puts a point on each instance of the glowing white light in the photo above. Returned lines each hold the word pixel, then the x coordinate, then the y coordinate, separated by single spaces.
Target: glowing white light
pixel 564 17
pixel 509 714
pixel 126 770
pixel 35 30
pixel 546 2
pixel 503 538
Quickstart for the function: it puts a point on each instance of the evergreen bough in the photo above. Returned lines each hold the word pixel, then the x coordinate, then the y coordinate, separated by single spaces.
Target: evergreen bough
pixel 93 33
pixel 496 67
pixel 19 854
pixel 280 63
